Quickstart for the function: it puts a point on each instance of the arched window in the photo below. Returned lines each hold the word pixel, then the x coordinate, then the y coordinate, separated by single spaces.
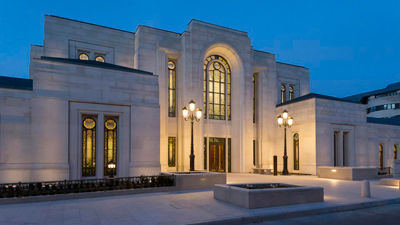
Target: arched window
pixel 291 93
pixel 217 88
pixel 171 89
pixel 88 147
pixel 110 146
pixel 381 156
pixel 395 152
pixel 83 56
pixel 296 152
pixel 283 93
pixel 100 59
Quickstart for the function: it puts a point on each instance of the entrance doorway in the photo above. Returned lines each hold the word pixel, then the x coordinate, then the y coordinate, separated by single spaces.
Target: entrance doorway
pixel 217 155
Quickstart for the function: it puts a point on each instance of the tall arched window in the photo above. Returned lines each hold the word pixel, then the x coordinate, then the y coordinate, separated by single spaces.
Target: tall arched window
pixel 217 88
pixel 395 152
pixel 110 146
pixel 171 88
pixel 291 93
pixel 88 147
pixel 283 93
pixel 296 152
pixel 381 156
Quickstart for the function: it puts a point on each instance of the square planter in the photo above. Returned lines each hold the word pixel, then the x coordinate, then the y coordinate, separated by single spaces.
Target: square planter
pixel 265 196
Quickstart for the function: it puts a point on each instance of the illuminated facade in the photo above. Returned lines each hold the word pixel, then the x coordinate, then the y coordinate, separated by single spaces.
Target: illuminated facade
pixel 98 95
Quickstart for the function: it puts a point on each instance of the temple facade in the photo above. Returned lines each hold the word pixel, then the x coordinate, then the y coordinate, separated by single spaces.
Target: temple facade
pixel 98 95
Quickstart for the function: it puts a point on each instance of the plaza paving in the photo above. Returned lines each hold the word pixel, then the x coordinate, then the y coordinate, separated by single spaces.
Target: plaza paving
pixel 183 207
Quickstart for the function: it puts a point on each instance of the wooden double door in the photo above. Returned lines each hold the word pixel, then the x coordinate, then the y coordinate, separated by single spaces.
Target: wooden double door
pixel 217 155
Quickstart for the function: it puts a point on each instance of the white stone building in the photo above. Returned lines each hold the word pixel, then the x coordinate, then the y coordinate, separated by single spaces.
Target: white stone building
pixel 97 94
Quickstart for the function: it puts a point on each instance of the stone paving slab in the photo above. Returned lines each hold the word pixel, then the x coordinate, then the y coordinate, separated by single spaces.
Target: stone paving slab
pixel 186 207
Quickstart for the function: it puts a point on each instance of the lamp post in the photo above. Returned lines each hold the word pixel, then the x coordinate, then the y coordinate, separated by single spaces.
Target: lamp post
pixel 111 168
pixel 192 117
pixel 285 121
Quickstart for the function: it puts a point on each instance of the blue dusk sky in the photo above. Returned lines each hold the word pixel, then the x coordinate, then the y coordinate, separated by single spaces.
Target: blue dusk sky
pixel 349 46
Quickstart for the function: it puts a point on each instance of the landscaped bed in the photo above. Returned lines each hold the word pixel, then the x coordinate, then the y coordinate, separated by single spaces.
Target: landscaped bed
pixel 12 190
pixel 264 186
pixel 261 195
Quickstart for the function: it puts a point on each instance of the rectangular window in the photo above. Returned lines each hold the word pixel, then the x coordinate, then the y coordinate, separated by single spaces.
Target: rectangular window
pixel 254 97
pixel 254 152
pixel 229 156
pixel 171 151
pixel 171 88
pixel 205 153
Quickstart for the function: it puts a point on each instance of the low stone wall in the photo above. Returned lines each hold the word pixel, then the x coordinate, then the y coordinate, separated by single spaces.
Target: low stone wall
pixel 261 198
pixel 395 168
pixel 197 180
pixel 390 182
pixel 347 173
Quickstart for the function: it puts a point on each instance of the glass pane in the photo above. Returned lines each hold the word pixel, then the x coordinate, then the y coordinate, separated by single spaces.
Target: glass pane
pixel 216 75
pixel 222 99
pixel 211 109
pixel 216 87
pixel 217 110
pixel 211 73
pixel 216 98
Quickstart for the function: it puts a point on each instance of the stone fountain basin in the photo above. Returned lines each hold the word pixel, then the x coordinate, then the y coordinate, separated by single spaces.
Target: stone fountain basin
pixel 262 197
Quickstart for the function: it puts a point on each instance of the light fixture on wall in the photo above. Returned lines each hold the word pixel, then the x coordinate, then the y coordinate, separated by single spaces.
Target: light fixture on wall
pixel 194 116
pixel 285 121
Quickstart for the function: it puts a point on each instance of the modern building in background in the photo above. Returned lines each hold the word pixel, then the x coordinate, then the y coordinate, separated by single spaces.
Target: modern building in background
pixel 97 95
pixel 382 103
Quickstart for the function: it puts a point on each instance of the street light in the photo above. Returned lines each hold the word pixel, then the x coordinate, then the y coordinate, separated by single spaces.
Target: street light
pixel 192 117
pixel 111 168
pixel 285 121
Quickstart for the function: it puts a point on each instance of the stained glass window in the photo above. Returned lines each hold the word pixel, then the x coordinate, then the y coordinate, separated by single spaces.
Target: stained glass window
pixel 100 59
pixel 296 152
pixel 217 88
pixel 88 147
pixel 110 146
pixel 83 56
pixel 171 151
pixel 283 93
pixel 171 89
pixel 395 152
pixel 291 93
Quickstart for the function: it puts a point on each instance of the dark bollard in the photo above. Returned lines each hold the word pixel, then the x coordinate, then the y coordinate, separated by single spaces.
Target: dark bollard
pixel 275 165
